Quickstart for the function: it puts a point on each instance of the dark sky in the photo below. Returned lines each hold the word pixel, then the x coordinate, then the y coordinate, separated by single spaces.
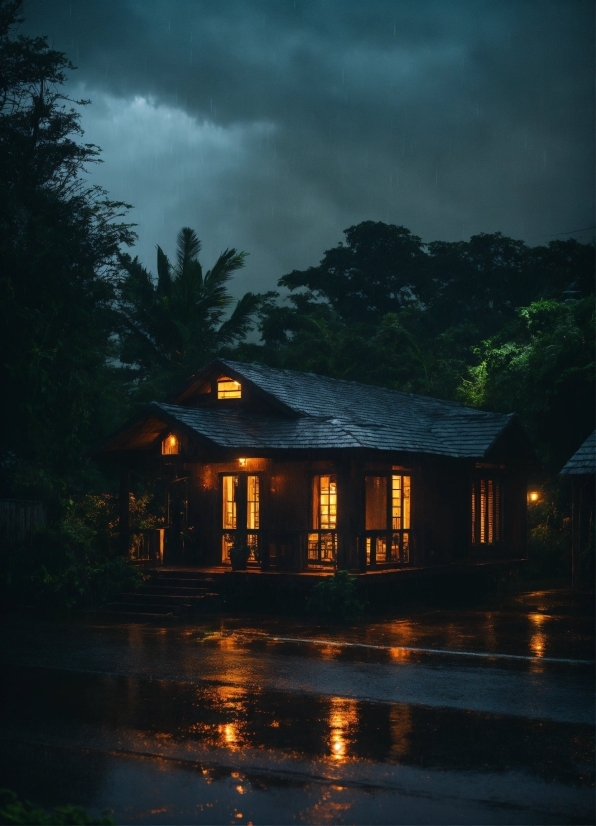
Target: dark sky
pixel 273 125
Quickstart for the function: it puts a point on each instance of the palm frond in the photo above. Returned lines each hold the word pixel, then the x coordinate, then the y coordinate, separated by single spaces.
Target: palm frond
pixel 188 248
pixel 241 320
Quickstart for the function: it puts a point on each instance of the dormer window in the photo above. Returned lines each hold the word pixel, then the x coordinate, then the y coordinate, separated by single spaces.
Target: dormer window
pixel 170 446
pixel 228 388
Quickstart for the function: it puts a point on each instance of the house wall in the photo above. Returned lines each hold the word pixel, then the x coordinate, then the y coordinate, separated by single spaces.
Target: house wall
pixel 440 509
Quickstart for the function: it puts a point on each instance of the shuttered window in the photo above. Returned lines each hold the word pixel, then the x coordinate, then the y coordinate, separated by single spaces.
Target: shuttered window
pixel 485 512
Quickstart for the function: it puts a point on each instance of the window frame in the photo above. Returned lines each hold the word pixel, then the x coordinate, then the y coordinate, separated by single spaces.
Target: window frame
pixel 487 519
pixel 321 545
pixel 228 395
pixel 396 540
pixel 177 444
pixel 252 535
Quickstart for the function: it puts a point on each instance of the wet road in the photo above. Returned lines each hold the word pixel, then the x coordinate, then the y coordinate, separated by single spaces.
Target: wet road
pixel 443 717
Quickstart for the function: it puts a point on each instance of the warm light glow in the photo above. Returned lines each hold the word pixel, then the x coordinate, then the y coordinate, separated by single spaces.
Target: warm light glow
pixel 342 721
pixel 228 388
pixel 242 462
pixel 170 445
pixel 534 496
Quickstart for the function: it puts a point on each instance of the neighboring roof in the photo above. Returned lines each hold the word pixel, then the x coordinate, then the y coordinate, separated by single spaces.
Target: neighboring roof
pixel 584 460
pixel 330 413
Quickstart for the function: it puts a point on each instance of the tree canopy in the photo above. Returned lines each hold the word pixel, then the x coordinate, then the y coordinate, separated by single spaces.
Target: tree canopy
pixel 59 240
pixel 489 321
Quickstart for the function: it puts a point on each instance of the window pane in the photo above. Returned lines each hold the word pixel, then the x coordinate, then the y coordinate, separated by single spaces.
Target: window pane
pixel 226 545
pixel 252 503
pixel 405 553
pixel 368 547
pixel 313 546
pixel 170 445
pixel 375 490
pixel 229 485
pixel 396 502
pixel 483 510
pixel 395 555
pixel 228 388
pixel 490 515
pixel 406 505
pixel 252 541
pixel 327 502
pixel 327 544
pixel 381 549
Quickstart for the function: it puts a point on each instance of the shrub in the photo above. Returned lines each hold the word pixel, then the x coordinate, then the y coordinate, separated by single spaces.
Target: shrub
pixel 66 565
pixel 13 811
pixel 335 598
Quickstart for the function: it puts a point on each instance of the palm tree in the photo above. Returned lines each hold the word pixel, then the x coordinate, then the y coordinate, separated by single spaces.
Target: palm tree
pixel 172 325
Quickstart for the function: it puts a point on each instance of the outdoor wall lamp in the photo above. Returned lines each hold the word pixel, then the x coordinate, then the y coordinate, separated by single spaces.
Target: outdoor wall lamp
pixel 242 462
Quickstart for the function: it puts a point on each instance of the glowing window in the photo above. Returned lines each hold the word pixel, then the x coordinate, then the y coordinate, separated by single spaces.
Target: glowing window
pixel 400 502
pixel 324 515
pixel 387 518
pixel 252 503
pixel 485 511
pixel 229 509
pixel 228 388
pixel 170 445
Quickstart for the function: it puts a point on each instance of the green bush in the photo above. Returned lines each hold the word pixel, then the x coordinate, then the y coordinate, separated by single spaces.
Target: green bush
pixel 549 539
pixel 13 811
pixel 335 598
pixel 66 565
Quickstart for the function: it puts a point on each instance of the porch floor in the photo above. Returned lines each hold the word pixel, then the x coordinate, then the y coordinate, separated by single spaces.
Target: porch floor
pixel 414 572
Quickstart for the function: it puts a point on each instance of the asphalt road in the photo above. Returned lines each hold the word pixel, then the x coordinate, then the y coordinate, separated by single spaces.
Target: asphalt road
pixel 467 716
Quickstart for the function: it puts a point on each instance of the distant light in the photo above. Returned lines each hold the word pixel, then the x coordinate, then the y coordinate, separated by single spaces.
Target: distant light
pixel 242 462
pixel 534 496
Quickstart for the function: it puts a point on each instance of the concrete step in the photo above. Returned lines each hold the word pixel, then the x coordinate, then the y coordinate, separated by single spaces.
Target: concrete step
pixel 147 607
pixel 173 590
pixel 140 598
pixel 134 615
pixel 188 576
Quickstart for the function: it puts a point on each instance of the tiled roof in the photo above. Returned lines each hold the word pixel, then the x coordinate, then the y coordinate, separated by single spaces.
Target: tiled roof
pixel 584 460
pixel 341 414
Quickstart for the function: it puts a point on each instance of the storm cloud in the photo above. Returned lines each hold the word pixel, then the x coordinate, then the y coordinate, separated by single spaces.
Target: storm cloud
pixel 273 125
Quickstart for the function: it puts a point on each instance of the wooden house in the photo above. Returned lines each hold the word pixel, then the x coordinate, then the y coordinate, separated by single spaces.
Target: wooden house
pixel 313 474
pixel 581 470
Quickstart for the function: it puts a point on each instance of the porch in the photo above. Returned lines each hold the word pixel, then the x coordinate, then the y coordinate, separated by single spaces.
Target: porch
pixel 185 591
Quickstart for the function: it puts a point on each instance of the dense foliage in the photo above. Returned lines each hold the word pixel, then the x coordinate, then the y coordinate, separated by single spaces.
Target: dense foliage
pixel 491 322
pixel 59 240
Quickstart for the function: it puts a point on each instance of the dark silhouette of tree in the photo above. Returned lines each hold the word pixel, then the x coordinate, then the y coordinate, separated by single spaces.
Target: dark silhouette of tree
pixel 59 240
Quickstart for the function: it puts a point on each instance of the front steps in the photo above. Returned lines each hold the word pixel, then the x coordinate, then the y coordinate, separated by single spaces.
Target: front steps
pixel 167 594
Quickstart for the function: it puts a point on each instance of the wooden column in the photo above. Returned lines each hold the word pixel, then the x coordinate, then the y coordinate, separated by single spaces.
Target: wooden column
pixel 123 512
pixel 349 513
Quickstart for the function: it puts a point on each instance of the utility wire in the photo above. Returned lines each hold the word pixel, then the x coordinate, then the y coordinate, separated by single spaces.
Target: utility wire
pixel 571 232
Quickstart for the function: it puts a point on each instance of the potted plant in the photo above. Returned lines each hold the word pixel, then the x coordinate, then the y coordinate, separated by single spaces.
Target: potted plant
pixel 239 553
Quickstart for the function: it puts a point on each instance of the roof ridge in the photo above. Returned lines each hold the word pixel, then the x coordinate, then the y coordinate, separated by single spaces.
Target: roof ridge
pixel 238 365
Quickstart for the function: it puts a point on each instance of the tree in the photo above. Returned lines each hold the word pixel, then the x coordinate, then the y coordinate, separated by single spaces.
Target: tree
pixel 59 240
pixel 380 269
pixel 541 366
pixel 172 325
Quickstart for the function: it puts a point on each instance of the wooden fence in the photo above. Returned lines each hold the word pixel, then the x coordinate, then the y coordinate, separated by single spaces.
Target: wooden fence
pixel 19 520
